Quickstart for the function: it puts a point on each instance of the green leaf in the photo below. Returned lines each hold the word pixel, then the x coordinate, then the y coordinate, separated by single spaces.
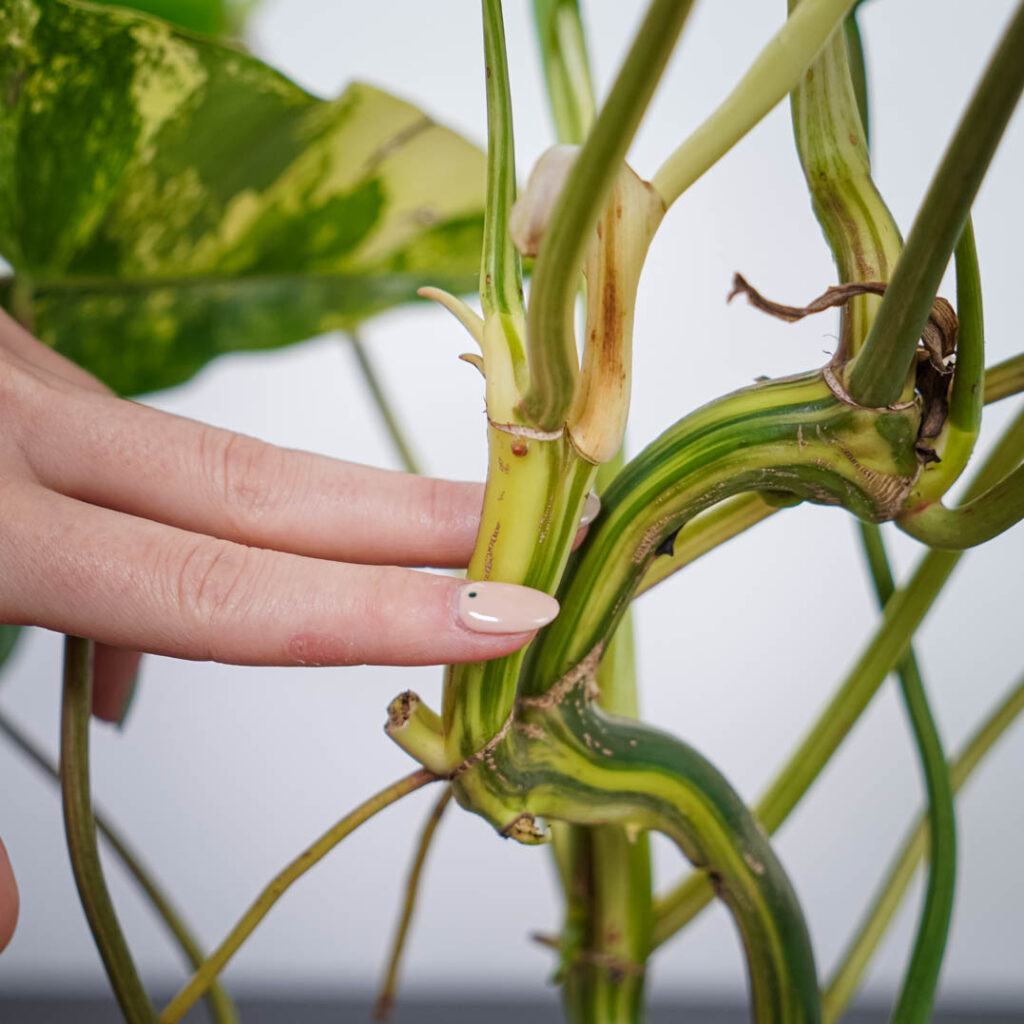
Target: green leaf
pixel 165 198
pixel 8 639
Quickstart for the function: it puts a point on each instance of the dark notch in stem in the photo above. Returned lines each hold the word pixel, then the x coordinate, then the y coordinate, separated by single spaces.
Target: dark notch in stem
pixel 501 275
pixel 80 829
pixel 879 373
pixel 552 347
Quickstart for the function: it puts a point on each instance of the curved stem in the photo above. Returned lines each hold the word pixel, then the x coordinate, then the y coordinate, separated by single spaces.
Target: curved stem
pixel 774 74
pixel 903 613
pixel 978 521
pixel 879 374
pixel 917 993
pixel 80 829
pixel 845 979
pixel 553 360
pixel 386 997
pixel 218 1002
pixel 216 962
pixel 591 768
pixel 404 450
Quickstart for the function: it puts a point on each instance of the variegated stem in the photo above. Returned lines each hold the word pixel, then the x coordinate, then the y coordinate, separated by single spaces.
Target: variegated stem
pixel 80 828
pixel 845 979
pixel 568 760
pixel 832 144
pixel 553 359
pixel 774 74
pixel 792 435
pixel 219 1005
pixel 904 612
pixel 879 374
pixel 532 504
pixel 563 52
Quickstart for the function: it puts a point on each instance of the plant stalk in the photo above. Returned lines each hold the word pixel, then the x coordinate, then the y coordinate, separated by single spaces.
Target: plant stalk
pixel 80 829
pixel 215 963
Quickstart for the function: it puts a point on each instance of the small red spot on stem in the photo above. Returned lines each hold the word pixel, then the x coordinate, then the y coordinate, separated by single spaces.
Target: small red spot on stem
pixel 519 448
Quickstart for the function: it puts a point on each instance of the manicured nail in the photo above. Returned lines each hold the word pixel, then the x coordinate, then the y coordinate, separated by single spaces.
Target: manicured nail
pixel 503 608
pixel 591 507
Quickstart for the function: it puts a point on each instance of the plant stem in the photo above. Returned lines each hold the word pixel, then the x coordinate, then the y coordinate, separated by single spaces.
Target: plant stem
pixel 80 829
pixel 553 360
pixel 501 275
pixel 402 447
pixel 903 613
pixel 1004 379
pixel 917 993
pixel 845 979
pixel 218 1002
pixel 386 997
pixel 214 964
pixel 879 374
pixel 563 51
pixel 776 71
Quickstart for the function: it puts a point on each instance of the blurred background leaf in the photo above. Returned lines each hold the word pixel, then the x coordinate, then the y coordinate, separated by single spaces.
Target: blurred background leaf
pixel 8 638
pixel 165 198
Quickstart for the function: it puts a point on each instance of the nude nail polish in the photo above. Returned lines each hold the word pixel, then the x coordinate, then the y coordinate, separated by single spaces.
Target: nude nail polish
pixel 591 507
pixel 503 608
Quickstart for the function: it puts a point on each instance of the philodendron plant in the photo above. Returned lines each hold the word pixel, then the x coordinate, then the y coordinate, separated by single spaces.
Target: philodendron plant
pixel 301 219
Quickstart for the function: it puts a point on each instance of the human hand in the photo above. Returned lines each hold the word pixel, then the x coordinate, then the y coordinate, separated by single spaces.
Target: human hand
pixel 150 532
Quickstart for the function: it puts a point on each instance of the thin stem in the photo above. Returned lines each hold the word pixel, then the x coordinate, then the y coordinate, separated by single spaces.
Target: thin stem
pixel 903 614
pixel 386 996
pixel 967 395
pixel 845 979
pixel 501 275
pixel 214 964
pixel 553 361
pixel 858 70
pixel 879 374
pixel 218 1002
pixel 402 447
pixel 80 829
pixel 917 994
pixel 563 51
pixel 1004 379
pixel 776 71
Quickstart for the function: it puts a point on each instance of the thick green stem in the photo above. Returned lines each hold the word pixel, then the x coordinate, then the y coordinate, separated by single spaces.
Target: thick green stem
pixel 221 1008
pixel 917 993
pixel 386 997
pixel 903 614
pixel 563 51
pixel 773 75
pixel 846 977
pixel 553 360
pixel 879 374
pixel 402 447
pixel 80 829
pixel 214 964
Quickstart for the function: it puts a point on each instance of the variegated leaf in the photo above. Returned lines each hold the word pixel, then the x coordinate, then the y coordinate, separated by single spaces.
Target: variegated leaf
pixel 165 198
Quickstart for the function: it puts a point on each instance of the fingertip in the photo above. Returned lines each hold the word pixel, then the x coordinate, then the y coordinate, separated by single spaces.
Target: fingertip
pixel 9 900
pixel 486 607
pixel 115 681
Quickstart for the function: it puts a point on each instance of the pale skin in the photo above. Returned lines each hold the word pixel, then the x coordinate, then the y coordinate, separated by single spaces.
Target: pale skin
pixel 150 532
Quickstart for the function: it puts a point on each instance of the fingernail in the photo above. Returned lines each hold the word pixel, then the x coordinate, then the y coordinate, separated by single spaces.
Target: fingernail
pixel 591 507
pixel 129 699
pixel 503 608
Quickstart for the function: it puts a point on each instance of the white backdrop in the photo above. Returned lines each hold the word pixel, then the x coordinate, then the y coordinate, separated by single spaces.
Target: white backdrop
pixel 223 774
